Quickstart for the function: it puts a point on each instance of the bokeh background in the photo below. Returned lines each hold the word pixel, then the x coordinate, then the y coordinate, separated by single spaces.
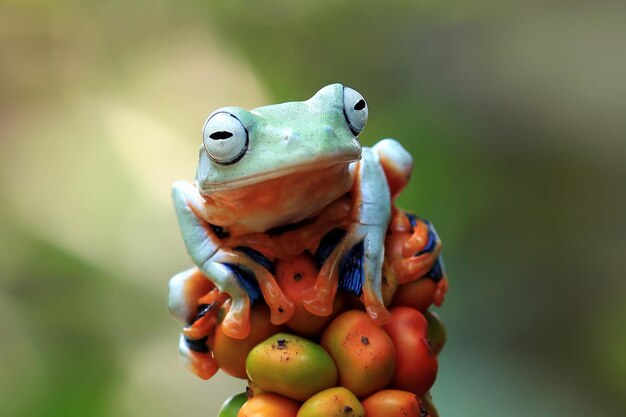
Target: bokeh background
pixel 514 112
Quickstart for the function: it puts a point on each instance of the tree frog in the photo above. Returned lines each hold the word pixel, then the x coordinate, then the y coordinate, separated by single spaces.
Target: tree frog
pixel 273 182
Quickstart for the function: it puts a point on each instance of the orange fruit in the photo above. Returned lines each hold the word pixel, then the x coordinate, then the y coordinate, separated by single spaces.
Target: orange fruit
pixel 363 352
pixel 392 403
pixel 417 364
pixel 269 405
pixel 295 277
pixel 418 294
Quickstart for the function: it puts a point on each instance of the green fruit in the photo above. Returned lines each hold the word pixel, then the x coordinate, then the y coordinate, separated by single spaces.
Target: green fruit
pixel 291 366
pixel 231 406
pixel 436 331
pixel 427 402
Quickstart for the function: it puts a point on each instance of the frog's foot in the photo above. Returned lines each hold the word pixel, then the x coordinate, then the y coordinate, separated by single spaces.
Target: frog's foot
pixel 421 252
pixel 236 323
pixel 196 357
pixel 319 299
pixel 206 318
pixel 185 289
pixel 251 262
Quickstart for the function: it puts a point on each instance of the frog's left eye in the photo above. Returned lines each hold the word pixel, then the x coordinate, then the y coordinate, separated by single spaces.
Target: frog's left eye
pixel 225 138
pixel 355 110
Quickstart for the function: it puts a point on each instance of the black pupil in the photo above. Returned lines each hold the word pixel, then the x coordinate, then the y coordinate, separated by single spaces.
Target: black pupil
pixel 360 105
pixel 222 134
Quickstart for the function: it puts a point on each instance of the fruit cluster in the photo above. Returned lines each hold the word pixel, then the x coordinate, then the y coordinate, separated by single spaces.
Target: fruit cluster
pixel 342 364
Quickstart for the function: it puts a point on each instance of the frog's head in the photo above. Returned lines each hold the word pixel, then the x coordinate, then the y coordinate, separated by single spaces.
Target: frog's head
pixel 244 147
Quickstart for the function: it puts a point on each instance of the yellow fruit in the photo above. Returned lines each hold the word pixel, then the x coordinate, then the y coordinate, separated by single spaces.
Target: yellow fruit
pixel 333 402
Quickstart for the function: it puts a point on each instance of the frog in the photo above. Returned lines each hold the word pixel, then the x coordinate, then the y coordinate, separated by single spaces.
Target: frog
pixel 274 181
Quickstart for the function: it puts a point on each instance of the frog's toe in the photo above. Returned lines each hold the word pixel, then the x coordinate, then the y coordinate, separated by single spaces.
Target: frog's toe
pixel 236 323
pixel 319 301
pixel 197 357
pixel 282 309
pixel 411 269
pixel 255 272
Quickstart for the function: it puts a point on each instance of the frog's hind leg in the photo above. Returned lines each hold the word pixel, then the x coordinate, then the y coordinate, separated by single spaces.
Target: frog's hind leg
pixel 420 252
pixel 281 307
pixel 204 246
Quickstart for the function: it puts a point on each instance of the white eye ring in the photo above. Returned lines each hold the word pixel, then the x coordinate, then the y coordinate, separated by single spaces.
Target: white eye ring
pixel 225 138
pixel 355 110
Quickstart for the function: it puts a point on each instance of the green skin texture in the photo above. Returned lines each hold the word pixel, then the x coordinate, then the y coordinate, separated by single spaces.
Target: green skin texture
pixel 231 406
pixel 318 129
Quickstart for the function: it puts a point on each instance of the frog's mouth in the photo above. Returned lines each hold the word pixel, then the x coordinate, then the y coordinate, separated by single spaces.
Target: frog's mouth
pixel 314 171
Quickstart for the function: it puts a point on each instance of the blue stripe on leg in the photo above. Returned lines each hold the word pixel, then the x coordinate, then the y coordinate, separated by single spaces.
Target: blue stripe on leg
pixel 247 282
pixel 327 244
pixel 351 270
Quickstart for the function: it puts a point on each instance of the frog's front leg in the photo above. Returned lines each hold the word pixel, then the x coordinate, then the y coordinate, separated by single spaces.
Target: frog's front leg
pixel 218 264
pixel 371 213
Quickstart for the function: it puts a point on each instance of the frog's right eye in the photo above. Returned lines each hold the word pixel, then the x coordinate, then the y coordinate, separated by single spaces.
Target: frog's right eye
pixel 225 138
pixel 355 110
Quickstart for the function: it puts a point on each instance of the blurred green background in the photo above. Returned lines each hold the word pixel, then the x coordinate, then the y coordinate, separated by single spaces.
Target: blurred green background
pixel 514 112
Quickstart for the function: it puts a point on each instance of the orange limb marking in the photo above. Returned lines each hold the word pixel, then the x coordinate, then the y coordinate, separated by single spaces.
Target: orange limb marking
pixel 214 296
pixel 417 241
pixel 203 364
pixel 399 222
pixel 201 327
pixel 281 307
pixel 207 323
pixel 375 308
pixel 319 300
pixel 410 269
pixel 236 324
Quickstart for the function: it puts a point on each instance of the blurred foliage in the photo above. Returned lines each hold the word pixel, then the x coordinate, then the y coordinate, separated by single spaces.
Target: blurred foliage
pixel 513 112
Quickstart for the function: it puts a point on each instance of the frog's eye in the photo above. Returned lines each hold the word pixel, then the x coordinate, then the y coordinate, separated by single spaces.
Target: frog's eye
pixel 225 138
pixel 355 110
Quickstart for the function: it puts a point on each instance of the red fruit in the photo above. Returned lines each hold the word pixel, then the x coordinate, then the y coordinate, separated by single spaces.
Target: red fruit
pixel 416 363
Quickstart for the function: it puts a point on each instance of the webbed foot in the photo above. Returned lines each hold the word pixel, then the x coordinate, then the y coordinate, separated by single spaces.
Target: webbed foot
pixel 420 252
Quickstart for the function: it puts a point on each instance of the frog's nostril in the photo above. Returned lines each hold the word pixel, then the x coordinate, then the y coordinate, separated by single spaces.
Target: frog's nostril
pixel 330 131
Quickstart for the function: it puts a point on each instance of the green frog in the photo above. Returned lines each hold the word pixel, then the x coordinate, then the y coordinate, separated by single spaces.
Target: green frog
pixel 271 183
